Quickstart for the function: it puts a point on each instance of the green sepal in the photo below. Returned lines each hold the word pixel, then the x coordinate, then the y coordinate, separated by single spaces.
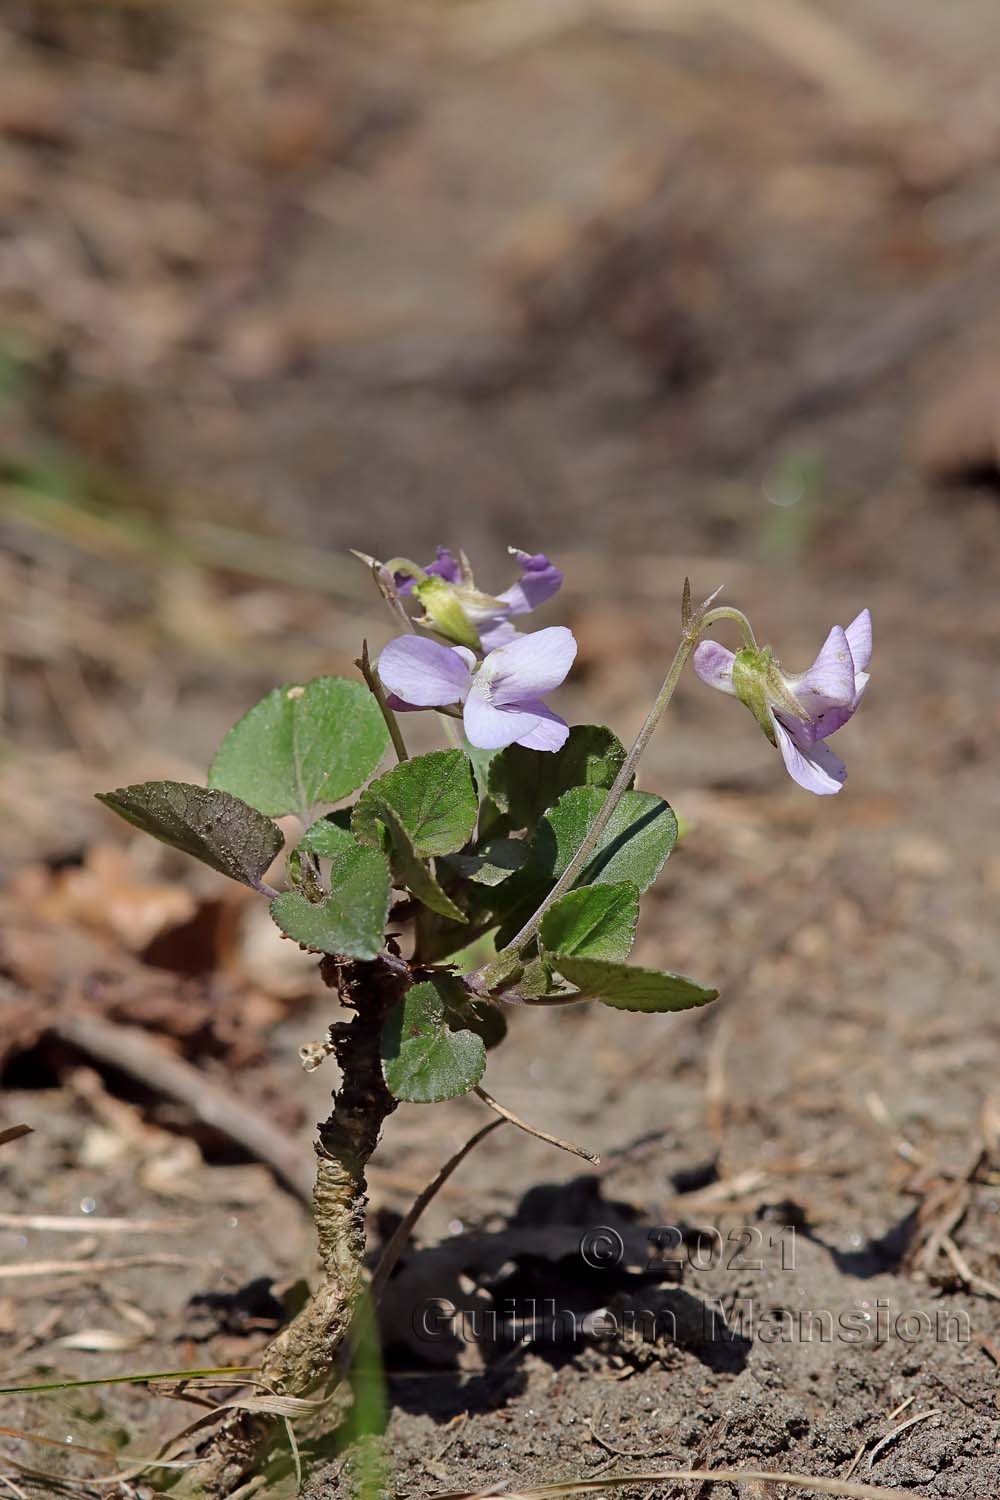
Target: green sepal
pixel 444 614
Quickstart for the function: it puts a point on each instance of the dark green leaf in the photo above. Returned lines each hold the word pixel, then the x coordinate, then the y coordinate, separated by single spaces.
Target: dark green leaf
pixel 531 981
pixel 302 745
pixel 351 920
pixel 494 863
pixel 215 827
pixel 628 988
pixel 524 783
pixel 486 1020
pixel 424 1057
pixel 465 944
pixel 432 799
pixel 633 847
pixel 481 762
pixel 639 836
pixel 597 921
pixel 413 874
pixel 329 837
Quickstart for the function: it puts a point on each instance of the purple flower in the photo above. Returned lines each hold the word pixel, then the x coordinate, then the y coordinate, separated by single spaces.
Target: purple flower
pixel 798 711
pixel 539 580
pixel 454 607
pixel 502 697
pixel 444 566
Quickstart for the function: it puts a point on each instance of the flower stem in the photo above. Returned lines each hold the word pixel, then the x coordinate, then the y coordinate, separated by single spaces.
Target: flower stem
pixel 725 612
pixel 620 784
pixel 371 677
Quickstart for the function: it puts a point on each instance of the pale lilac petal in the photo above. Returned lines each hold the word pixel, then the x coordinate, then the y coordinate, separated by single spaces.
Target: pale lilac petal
pixel 714 665
pixel 490 728
pixel 813 766
pixel 398 705
pixel 829 682
pixel 528 667
pixel 529 723
pixel 496 631
pixel 549 732
pixel 859 638
pixel 424 673
pixel 832 719
pixel 539 580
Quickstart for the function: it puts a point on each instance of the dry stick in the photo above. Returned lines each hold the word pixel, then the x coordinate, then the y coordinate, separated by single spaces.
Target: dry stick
pixel 839 1487
pixel 399 1238
pixel 92 1267
pixel 73 1224
pixel 954 1212
pixel 14 1133
pixel 542 1135
pixel 896 1412
pixel 130 1050
pixel 973 1281
pixel 891 1437
pixel 397 1241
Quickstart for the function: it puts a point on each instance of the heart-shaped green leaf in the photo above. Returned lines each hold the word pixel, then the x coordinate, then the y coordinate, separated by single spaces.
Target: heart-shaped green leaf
pixel 213 826
pixel 597 922
pixel 524 783
pixel 432 799
pixel 426 1054
pixel 302 745
pixel 627 988
pixel 351 920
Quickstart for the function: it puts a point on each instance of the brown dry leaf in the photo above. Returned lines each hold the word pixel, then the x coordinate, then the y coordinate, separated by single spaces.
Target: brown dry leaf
pixel 108 894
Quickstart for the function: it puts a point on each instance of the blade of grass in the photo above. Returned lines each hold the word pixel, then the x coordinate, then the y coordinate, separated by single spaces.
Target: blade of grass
pixel 224 1374
pixel 369 1413
pixel 844 1488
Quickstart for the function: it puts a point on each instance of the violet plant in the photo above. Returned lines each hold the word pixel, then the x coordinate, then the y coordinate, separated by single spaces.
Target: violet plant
pixel 526 844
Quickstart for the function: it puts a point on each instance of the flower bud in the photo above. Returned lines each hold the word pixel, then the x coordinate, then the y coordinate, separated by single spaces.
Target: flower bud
pixel 444 614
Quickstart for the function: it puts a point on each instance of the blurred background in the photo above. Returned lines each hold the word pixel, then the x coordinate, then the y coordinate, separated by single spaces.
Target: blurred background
pixel 658 285
pixel 661 287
